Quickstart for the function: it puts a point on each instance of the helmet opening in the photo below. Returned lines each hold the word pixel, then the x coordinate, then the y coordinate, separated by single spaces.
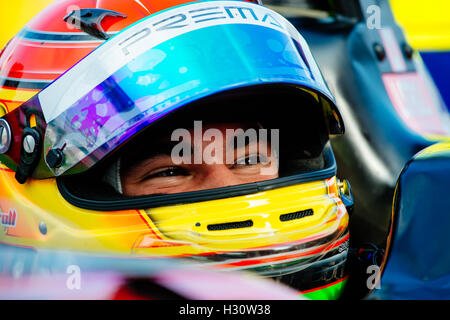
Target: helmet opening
pixel 303 150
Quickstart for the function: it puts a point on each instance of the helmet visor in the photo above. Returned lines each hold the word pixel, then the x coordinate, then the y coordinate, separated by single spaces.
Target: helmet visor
pixel 162 63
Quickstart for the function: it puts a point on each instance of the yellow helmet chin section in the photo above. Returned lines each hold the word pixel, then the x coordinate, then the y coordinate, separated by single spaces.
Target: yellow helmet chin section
pixel 275 232
pixel 293 223
pixel 297 213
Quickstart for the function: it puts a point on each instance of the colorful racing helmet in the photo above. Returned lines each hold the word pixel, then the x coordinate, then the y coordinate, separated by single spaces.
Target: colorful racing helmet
pixel 91 91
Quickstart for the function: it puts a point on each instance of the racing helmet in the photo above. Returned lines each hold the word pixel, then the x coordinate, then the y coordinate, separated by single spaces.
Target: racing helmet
pixel 88 88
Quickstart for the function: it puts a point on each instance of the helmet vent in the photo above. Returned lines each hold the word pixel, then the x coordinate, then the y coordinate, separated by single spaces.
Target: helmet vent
pixel 296 215
pixel 230 225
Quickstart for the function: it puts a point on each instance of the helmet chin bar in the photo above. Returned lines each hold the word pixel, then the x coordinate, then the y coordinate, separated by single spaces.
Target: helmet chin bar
pixel 296 234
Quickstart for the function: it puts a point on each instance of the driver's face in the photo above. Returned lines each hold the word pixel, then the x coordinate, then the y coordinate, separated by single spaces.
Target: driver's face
pixel 158 174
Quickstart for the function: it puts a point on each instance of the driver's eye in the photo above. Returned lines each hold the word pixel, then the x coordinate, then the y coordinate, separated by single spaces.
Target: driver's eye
pixel 168 172
pixel 250 160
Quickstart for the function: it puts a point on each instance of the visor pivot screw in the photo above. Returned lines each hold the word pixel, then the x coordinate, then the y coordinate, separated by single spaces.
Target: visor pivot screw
pixel 29 144
pixel 5 136
pixel 43 228
pixel 30 154
pixel 54 158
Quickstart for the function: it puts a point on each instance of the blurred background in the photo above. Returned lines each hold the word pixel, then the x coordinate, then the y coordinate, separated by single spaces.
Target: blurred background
pixel 427 28
pixel 15 14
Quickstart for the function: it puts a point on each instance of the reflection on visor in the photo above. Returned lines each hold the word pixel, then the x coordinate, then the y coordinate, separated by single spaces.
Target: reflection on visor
pixel 162 63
